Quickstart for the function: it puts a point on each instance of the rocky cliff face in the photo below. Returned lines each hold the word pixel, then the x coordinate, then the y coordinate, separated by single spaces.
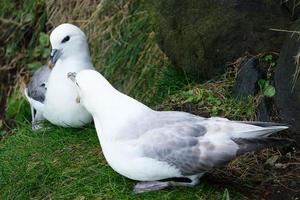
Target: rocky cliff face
pixel 287 80
pixel 201 36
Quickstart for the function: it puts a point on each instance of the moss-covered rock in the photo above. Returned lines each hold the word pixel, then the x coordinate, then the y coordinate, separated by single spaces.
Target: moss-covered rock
pixel 200 36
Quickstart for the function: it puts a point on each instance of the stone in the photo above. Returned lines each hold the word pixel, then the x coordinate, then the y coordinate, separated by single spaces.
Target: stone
pixel 287 81
pixel 264 109
pixel 201 36
pixel 246 80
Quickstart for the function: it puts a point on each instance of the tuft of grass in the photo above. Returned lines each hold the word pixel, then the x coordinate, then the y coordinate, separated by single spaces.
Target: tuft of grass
pixel 20 28
pixel 213 98
pixel 17 108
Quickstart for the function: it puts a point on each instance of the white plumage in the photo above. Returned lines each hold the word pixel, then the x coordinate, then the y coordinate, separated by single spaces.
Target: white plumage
pixel 156 146
pixel 70 53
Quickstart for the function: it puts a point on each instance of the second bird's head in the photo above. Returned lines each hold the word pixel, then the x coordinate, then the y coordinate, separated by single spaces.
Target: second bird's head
pixel 66 41
pixel 93 89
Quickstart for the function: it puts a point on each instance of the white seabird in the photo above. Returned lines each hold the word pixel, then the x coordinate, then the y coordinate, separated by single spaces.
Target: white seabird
pixel 163 148
pixel 70 53
pixel 35 93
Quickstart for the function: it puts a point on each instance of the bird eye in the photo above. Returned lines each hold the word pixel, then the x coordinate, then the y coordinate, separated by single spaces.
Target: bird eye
pixel 67 38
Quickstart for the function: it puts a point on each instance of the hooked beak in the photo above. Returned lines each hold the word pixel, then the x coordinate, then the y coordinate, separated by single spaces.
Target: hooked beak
pixel 72 76
pixel 54 56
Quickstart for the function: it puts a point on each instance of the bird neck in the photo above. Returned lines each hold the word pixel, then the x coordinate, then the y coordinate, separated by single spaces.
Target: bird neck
pixel 113 110
pixel 83 59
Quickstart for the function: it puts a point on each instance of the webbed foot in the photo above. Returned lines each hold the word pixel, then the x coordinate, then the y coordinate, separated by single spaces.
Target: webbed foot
pixel 36 126
pixel 148 186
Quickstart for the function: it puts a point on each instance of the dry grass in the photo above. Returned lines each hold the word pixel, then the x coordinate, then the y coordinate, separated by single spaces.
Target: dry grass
pixel 270 174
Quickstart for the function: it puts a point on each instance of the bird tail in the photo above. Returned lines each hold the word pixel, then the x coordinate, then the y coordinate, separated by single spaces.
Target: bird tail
pixel 256 144
pixel 35 104
pixel 258 129
pixel 263 124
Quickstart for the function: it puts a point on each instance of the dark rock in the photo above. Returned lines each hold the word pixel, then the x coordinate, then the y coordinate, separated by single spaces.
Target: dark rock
pixel 287 81
pixel 247 78
pixel 247 85
pixel 264 110
pixel 201 36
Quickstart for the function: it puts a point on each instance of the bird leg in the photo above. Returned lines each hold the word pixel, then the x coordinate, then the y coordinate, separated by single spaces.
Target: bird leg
pixel 34 123
pixel 37 117
pixel 147 186
pixel 32 115
pixel 36 126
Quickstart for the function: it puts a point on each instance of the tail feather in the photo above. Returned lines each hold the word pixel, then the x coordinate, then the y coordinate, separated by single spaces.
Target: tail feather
pixel 35 104
pixel 263 124
pixel 257 129
pixel 256 144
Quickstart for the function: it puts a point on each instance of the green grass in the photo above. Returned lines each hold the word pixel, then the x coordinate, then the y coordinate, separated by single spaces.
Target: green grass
pixel 60 163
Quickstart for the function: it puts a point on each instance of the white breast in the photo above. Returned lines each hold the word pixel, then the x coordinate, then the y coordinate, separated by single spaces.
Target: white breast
pixel 61 107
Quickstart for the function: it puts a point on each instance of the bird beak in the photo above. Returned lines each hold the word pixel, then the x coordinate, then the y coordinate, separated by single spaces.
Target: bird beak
pixel 72 76
pixel 54 56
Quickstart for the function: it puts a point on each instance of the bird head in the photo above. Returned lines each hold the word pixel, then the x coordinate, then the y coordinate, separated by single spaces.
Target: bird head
pixel 67 40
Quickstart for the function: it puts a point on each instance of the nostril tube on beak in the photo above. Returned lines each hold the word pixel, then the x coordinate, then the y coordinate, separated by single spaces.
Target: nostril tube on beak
pixel 54 55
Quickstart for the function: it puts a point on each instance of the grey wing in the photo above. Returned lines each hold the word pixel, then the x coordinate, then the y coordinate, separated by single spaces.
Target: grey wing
pixel 36 88
pixel 158 119
pixel 185 146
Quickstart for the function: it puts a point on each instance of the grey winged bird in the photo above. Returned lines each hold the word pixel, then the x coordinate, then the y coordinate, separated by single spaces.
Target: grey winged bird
pixel 56 100
pixel 164 148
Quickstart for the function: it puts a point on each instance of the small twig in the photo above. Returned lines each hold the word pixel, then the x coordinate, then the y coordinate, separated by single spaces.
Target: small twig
pixel 6 68
pixel 283 30
pixel 286 187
